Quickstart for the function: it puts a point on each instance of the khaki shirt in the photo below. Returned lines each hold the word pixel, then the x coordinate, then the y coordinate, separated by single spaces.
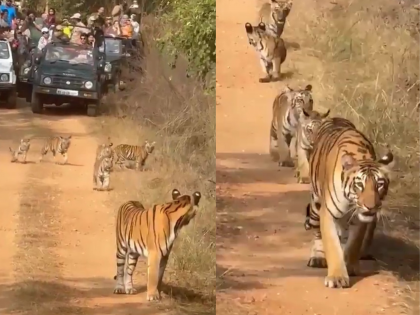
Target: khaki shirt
pixel 77 31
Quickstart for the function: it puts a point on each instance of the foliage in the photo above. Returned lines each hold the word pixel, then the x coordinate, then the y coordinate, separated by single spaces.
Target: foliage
pixel 189 28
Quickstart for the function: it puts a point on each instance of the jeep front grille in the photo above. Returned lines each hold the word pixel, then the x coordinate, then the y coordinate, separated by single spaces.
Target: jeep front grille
pixel 68 82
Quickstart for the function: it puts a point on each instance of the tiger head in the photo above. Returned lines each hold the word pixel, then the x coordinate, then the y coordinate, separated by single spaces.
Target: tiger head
pixel 186 206
pixel 106 149
pixel 65 142
pixel 365 183
pixel 280 9
pixel 302 99
pixel 25 144
pixel 107 164
pixel 149 147
pixel 310 121
pixel 255 34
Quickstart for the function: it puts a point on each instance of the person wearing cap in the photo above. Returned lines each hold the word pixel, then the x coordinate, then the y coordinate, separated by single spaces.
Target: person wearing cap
pixel 136 26
pixel 45 38
pixel 78 29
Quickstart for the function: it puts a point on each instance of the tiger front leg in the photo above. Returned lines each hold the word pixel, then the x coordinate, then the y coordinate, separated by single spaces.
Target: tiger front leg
pixel 283 143
pixel 153 268
pixel 24 157
pixel 129 271
pixel 65 158
pixel 266 67
pixel 139 165
pixel 105 182
pixel 338 276
pixel 44 152
pixel 162 267
pixel 302 169
pixel 353 248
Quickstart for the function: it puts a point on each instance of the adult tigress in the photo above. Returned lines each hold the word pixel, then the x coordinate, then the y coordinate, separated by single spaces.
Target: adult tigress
pixel 348 185
pixel 287 108
pixel 150 233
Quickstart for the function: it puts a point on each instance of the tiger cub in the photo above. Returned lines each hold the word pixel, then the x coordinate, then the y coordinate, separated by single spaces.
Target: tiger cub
pixel 271 50
pixel 274 15
pixel 348 185
pixel 287 108
pixel 101 173
pixel 150 233
pixel 22 150
pixel 57 144
pixel 309 123
pixel 126 153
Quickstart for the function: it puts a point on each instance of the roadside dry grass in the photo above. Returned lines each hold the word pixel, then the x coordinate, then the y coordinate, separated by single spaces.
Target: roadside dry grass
pixel 164 106
pixel 370 59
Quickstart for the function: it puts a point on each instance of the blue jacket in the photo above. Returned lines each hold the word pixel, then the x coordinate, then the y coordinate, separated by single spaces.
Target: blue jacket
pixel 11 13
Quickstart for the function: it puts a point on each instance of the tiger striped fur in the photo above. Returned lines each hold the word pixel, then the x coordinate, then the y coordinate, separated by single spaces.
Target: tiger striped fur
pixel 22 150
pixel 274 15
pixel 57 144
pixel 309 123
pixel 271 51
pixel 348 185
pixel 126 153
pixel 287 108
pixel 101 173
pixel 150 233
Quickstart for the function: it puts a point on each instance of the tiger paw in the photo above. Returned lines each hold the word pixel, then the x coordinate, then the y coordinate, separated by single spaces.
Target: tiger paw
pixel 317 262
pixel 303 180
pixel 130 291
pixel 337 282
pixel 265 80
pixel 153 296
pixel 119 289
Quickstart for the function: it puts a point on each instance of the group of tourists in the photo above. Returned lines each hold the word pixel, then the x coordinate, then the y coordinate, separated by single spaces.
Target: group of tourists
pixel 42 30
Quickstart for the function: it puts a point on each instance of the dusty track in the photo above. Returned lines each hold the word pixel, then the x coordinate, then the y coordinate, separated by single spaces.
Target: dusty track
pixel 262 245
pixel 57 252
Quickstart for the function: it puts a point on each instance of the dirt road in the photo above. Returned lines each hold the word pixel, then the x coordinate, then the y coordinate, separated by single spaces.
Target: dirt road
pixel 262 245
pixel 58 248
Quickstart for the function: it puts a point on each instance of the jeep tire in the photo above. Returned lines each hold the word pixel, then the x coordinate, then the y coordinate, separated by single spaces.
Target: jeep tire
pixel 92 109
pixel 11 99
pixel 36 104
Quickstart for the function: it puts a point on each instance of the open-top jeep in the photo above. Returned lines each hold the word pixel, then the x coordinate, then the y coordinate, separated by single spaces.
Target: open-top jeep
pixel 64 73
pixel 7 75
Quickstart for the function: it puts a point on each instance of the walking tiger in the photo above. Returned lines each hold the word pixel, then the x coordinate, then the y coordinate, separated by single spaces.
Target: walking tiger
pixel 150 233
pixel 348 185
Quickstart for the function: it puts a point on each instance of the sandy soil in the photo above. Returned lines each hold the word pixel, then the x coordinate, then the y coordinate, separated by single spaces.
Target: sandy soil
pixel 58 247
pixel 262 245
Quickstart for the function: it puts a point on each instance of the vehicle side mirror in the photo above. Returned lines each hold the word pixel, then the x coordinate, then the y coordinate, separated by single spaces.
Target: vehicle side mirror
pixel 37 60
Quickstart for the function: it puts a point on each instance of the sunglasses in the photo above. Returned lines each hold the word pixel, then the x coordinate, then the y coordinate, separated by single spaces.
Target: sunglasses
pixel 45 33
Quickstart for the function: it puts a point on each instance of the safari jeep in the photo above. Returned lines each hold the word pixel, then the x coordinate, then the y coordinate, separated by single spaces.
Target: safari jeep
pixel 7 75
pixel 67 73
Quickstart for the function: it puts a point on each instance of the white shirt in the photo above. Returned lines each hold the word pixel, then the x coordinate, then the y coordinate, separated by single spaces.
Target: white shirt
pixel 136 28
pixel 43 42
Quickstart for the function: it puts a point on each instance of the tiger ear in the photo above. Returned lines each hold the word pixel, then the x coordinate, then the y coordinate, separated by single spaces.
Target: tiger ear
pixel 326 114
pixel 175 194
pixel 308 87
pixel 387 161
pixel 196 198
pixel 261 26
pixel 69 137
pixel 110 145
pixel 248 28
pixel 348 161
pixel 153 143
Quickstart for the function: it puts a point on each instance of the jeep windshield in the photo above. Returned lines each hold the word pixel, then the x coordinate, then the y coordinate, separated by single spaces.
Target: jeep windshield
pixel 73 55
pixel 113 47
pixel 4 50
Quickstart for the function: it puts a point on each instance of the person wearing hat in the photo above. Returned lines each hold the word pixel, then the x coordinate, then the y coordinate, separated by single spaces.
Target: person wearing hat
pixel 45 38
pixel 78 29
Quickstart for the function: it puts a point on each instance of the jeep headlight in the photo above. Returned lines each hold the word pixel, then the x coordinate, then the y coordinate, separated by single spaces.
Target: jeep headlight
pixel 88 84
pixel 26 70
pixel 47 80
pixel 108 67
pixel 4 78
